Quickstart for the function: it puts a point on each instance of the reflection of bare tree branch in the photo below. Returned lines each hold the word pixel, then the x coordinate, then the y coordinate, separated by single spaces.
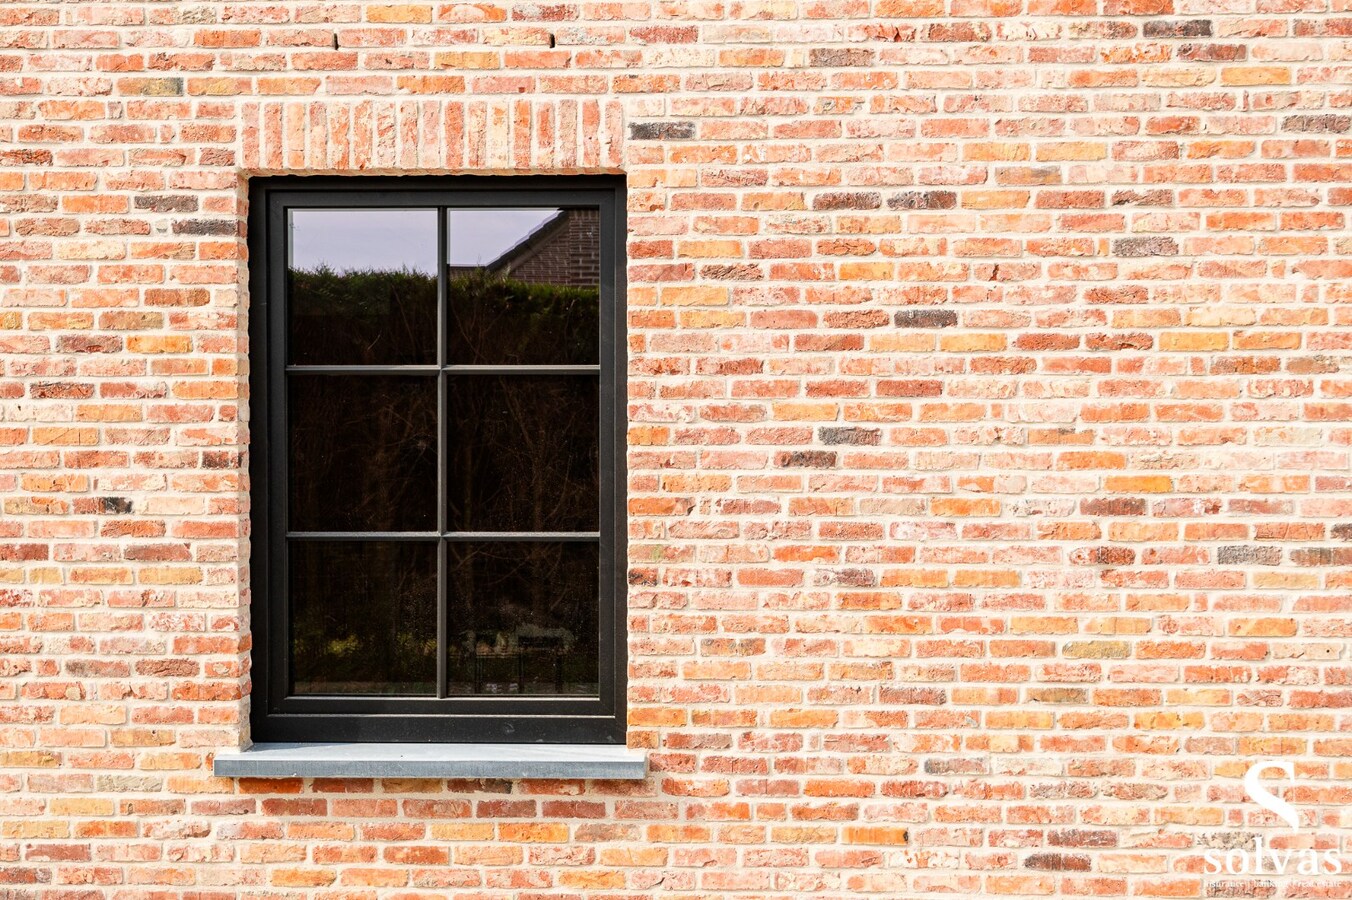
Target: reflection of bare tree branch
pixel 528 469
pixel 363 617
pixel 363 456
pixel 363 452
pixel 520 466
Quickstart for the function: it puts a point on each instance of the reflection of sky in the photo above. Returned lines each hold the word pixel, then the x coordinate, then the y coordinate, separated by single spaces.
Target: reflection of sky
pixel 480 236
pixel 347 239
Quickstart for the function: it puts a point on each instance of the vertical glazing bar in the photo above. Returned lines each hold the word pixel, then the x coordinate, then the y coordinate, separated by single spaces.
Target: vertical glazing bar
pixel 278 260
pixel 443 626
pixel 611 426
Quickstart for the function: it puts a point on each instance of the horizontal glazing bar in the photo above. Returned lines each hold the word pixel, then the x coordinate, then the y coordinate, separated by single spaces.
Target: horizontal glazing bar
pixel 432 370
pixel 363 535
pixel 448 535
pixel 364 370
pixel 522 535
pixel 524 370
pixel 578 705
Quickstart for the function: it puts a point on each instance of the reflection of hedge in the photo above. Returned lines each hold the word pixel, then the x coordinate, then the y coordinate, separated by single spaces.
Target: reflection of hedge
pixel 356 293
pixel 363 317
pixel 496 319
pixel 374 316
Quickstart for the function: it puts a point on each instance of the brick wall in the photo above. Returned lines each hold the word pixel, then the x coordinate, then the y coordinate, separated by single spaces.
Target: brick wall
pixel 989 468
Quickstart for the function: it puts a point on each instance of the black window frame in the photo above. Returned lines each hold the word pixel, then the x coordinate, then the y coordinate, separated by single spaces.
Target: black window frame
pixel 276 717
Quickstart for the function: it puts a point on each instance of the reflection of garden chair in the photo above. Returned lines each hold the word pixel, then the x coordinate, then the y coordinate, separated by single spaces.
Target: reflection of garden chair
pixel 545 645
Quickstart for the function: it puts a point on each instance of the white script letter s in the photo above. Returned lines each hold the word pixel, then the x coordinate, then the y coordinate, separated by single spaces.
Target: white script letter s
pixel 1266 799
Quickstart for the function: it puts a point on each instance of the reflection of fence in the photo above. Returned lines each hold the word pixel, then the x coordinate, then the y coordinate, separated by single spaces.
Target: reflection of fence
pixel 549 653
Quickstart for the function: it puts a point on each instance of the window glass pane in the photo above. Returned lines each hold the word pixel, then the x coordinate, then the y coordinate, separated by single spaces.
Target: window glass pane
pixel 363 617
pixel 363 452
pixel 524 286
pixel 362 286
pixel 523 618
pixel 524 453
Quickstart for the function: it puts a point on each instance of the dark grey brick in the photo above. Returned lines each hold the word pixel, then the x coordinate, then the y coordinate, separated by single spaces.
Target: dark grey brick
pixel 662 131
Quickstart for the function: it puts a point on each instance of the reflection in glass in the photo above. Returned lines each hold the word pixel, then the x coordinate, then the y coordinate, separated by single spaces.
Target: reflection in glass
pixel 523 618
pixel 523 286
pixel 363 452
pixel 363 617
pixel 524 453
pixel 362 286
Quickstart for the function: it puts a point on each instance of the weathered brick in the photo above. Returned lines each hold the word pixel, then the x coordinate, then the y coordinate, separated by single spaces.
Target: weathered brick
pixel 813 459
pixel 1176 28
pixel 925 318
pixel 204 227
pixel 1213 52
pixel 1325 124
pixel 923 200
pixel 847 200
pixel 1247 554
pixel 1145 246
pixel 178 203
pixel 662 131
pixel 863 436
pixel 832 58
pixel 1058 862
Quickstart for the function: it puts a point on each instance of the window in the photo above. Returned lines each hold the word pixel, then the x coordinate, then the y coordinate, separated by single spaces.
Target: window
pixel 437 460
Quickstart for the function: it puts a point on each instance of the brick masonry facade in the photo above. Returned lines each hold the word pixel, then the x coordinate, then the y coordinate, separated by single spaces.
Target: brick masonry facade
pixel 989 438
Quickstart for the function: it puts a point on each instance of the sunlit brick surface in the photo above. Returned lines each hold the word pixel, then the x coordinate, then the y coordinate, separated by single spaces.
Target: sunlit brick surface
pixel 989 439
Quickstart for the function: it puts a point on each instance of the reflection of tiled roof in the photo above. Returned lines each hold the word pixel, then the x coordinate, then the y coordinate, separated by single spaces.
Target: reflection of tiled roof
pixel 528 246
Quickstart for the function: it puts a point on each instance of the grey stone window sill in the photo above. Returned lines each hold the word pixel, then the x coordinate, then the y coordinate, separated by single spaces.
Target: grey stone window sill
pixel 433 761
